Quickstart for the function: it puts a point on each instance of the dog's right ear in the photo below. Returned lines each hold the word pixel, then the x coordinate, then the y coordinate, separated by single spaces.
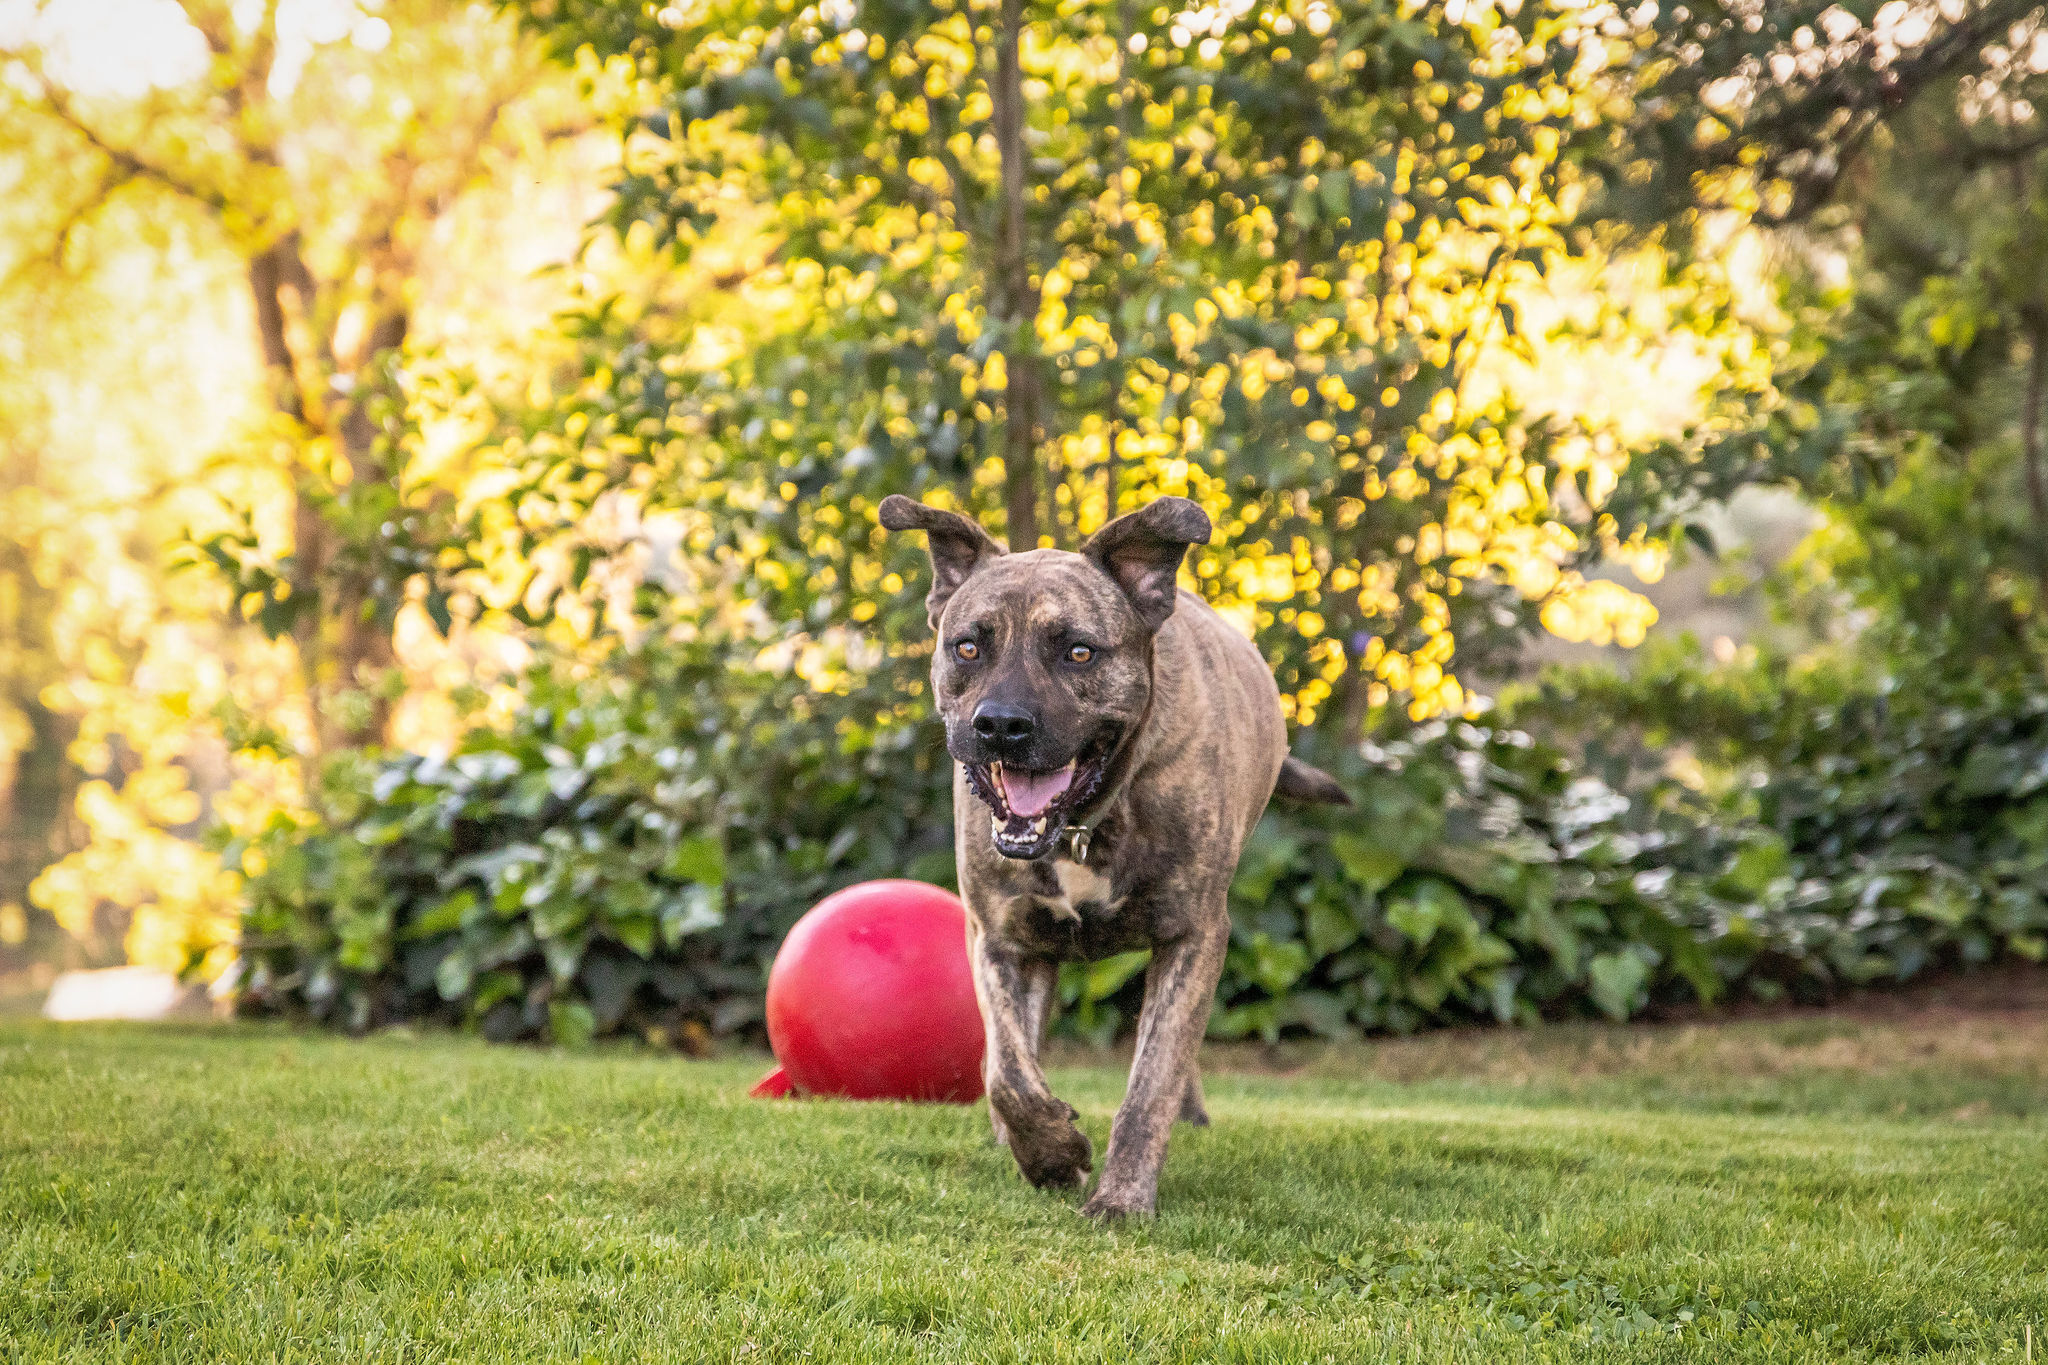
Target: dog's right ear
pixel 958 546
pixel 1143 550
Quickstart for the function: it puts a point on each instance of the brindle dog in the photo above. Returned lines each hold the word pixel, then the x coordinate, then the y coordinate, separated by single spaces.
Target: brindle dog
pixel 1116 741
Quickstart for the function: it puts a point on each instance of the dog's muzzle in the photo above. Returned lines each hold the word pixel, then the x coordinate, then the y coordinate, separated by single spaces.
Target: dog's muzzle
pixel 1028 810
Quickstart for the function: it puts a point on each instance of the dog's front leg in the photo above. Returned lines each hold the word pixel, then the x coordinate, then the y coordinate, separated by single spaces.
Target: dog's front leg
pixel 1015 995
pixel 1180 986
pixel 1041 982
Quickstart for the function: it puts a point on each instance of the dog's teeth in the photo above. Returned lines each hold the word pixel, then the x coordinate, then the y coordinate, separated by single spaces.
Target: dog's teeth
pixel 1038 827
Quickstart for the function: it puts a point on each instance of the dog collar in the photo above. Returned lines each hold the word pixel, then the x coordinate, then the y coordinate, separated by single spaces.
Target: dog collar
pixel 1079 836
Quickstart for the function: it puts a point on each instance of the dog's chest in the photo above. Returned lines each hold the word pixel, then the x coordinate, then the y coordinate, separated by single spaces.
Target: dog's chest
pixel 1080 891
pixel 1067 910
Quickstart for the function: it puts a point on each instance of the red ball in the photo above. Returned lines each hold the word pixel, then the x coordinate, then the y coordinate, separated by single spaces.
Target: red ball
pixel 871 998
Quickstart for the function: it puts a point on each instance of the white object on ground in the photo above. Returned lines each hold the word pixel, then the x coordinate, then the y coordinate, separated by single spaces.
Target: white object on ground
pixel 122 993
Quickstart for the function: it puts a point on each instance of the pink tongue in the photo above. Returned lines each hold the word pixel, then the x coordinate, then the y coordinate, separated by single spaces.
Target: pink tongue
pixel 1030 793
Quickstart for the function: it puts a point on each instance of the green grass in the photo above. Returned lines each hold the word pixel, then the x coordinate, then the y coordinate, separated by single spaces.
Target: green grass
pixel 1805 1190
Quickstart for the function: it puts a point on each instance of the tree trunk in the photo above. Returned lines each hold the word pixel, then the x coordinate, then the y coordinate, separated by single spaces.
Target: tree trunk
pixel 268 274
pixel 363 648
pixel 1112 464
pixel 343 646
pixel 272 272
pixel 1014 295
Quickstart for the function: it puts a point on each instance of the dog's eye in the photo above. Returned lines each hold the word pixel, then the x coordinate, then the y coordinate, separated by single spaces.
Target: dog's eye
pixel 1079 654
pixel 967 651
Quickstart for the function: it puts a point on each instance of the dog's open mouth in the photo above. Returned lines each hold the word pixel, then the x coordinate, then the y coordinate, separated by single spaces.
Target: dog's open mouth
pixel 1029 809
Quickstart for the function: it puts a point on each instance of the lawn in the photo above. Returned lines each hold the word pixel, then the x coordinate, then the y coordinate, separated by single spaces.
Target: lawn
pixel 1823 1188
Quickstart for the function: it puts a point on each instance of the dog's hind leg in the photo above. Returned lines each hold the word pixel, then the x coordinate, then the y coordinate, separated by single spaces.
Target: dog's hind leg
pixel 1180 986
pixel 1192 1111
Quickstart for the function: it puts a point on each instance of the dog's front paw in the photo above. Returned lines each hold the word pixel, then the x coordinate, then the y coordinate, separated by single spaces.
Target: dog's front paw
pixel 1055 1155
pixel 1110 1204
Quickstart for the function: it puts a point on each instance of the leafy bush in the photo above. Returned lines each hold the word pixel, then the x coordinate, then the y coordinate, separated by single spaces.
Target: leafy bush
pixel 626 855
pixel 1478 877
pixel 630 852
pixel 1907 809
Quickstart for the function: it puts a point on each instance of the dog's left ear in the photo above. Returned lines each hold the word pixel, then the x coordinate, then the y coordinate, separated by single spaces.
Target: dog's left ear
pixel 1143 550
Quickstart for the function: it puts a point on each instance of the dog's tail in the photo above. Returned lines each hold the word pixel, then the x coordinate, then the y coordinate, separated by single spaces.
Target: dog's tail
pixel 1300 781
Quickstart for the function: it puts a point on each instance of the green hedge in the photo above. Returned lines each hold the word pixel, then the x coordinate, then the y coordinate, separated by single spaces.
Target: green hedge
pixel 626 856
pixel 1907 809
pixel 1478 877
pixel 630 852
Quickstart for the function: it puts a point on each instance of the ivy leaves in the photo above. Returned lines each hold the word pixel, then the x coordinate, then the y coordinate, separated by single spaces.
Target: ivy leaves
pixel 616 862
pixel 610 862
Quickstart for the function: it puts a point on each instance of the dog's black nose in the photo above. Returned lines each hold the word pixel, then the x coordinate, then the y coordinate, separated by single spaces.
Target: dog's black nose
pixel 1003 725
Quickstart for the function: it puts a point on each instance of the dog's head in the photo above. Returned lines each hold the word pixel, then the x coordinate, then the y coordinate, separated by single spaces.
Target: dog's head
pixel 1043 666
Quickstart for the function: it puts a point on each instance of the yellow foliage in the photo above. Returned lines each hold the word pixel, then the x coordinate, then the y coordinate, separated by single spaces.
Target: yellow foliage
pixel 1267 578
pixel 1598 612
pixel 1646 559
pixel 134 374
pixel 181 904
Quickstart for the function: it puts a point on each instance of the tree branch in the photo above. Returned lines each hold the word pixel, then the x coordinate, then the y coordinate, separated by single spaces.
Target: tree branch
pixel 129 164
pixel 51 260
pixel 1983 154
pixel 1810 133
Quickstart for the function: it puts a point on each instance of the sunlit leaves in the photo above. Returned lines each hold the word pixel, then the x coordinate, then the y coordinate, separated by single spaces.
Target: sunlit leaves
pixel 1269 247
pixel 1767 110
pixel 1914 387
pixel 307 462
pixel 626 854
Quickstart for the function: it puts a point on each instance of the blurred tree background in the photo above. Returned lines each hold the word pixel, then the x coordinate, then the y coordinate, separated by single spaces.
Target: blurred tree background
pixel 227 231
pixel 443 442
